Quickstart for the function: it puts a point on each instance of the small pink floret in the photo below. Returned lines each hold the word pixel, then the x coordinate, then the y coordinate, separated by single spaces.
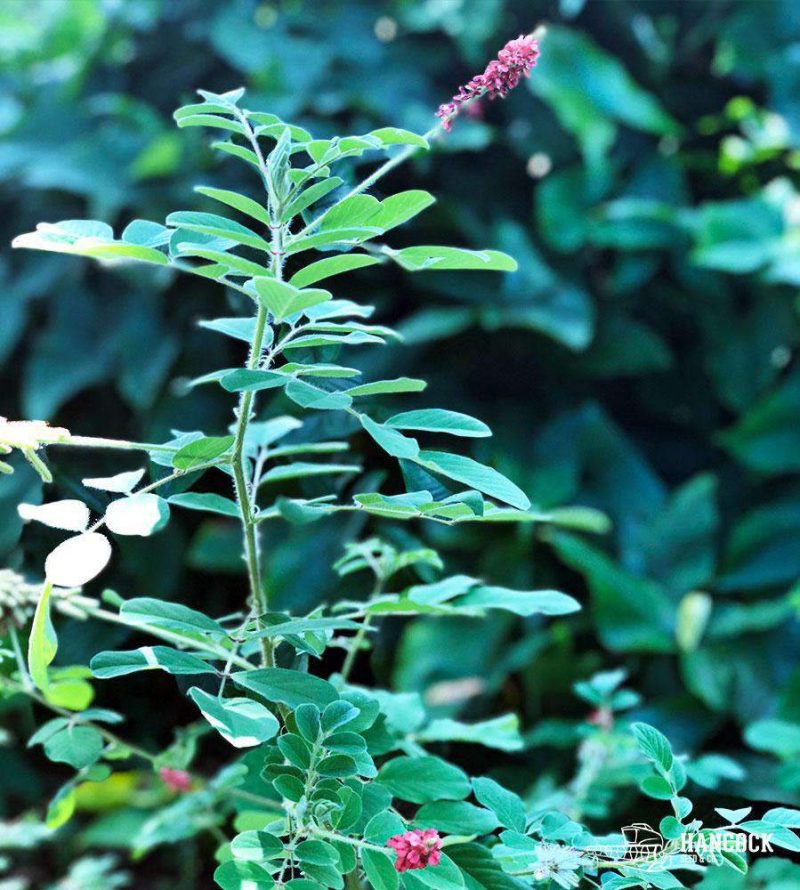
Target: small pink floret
pixel 513 62
pixel 176 779
pixel 416 849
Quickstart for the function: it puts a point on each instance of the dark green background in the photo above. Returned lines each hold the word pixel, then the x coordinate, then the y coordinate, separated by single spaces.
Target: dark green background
pixel 642 361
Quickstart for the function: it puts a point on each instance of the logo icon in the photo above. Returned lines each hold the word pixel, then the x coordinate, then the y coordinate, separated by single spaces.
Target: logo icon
pixel 642 841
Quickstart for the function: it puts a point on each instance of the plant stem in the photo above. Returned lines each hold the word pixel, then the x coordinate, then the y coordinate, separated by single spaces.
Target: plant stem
pixel 355 647
pixel 119 444
pixel 258 596
pixel 344 839
pixel 22 667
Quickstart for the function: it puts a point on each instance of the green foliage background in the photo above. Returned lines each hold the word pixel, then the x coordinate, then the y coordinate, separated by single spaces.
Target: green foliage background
pixel 641 361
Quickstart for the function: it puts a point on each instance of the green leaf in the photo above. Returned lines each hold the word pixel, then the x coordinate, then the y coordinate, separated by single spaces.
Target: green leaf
pixel 653 744
pixel 307 717
pixel 289 786
pixel 67 742
pixel 256 846
pixel 500 732
pixel 230 263
pixel 437 420
pixel 308 396
pixel 766 438
pixel 391 441
pixel 317 852
pixel 398 136
pixel 423 779
pixel 138 514
pixel 241 721
pixel 337 714
pixel 205 501
pixel 201 451
pixel 211 120
pixel 237 875
pixel 481 869
pixel 301 469
pixel 247 380
pixel 239 328
pixel 338 766
pixel 86 238
pixel 43 642
pixel 784 816
pixel 238 151
pixel 352 808
pixel 656 787
pixel 521 602
pixel 148 611
pixel 382 826
pixel 456 817
pixel 381 387
pixel 61 807
pixel 379 869
pixel 292 688
pixel 351 212
pixel 295 750
pixel 506 805
pixel 239 202
pixel 778 737
pixel 332 238
pixel 353 338
pixel 401 207
pixel 218 226
pixel 201 108
pixel 330 266
pixel 445 876
pixel 284 299
pixel 415 259
pixel 105 665
pixel 309 196
pixel 476 475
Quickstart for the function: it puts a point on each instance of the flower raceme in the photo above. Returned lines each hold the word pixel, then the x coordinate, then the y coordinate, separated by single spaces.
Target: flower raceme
pixel 416 849
pixel 502 74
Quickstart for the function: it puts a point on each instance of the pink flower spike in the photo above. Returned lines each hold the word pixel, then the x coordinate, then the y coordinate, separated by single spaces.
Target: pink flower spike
pixel 513 62
pixel 416 849
pixel 176 779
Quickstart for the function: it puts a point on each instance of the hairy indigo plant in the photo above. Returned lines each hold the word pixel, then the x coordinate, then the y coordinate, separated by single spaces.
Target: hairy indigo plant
pixel 329 784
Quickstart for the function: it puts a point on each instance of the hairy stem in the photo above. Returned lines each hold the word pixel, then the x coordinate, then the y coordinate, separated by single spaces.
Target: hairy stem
pixel 118 444
pixel 258 596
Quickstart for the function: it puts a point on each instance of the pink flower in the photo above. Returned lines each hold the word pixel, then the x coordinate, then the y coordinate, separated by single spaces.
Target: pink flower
pixel 176 779
pixel 502 74
pixel 416 849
